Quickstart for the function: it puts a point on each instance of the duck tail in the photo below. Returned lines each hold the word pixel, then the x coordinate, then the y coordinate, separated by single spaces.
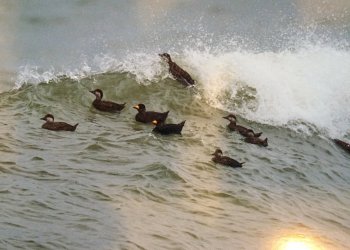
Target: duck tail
pixel 258 134
pixel 75 126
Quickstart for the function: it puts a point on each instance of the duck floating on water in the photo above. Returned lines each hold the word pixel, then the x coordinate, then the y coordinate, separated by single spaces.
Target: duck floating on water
pixel 50 124
pixel 225 160
pixel 344 145
pixel 246 132
pixel 167 129
pixel 257 141
pixel 149 116
pixel 106 106
pixel 177 72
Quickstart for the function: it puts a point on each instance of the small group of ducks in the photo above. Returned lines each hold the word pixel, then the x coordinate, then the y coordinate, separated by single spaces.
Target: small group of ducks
pixel 158 118
pixel 250 137
pixel 249 134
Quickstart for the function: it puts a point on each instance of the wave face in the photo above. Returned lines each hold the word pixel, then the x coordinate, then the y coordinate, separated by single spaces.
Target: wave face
pixel 304 89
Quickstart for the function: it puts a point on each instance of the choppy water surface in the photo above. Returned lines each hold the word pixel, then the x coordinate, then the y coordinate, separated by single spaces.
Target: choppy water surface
pixel 113 184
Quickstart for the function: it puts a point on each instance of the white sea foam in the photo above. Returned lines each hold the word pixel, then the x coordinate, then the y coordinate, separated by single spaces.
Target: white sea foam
pixel 310 85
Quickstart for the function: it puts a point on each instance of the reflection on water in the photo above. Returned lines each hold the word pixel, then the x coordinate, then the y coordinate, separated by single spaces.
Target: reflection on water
pixel 298 241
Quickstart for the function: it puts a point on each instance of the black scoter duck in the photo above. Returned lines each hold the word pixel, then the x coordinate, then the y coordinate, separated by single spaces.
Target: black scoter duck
pixel 167 129
pixel 343 145
pixel 106 106
pixel 246 132
pixel 225 160
pixel 149 116
pixel 178 73
pixel 257 141
pixel 50 124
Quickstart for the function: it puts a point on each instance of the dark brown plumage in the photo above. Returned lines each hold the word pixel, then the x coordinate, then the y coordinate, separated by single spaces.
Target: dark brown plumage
pixel 50 124
pixel 225 160
pixel 167 129
pixel 149 116
pixel 105 106
pixel 257 141
pixel 246 132
pixel 343 145
pixel 177 72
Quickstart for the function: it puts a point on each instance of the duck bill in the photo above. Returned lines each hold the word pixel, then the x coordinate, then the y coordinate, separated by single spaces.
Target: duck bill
pixel 43 118
pixel 136 107
pixel 92 92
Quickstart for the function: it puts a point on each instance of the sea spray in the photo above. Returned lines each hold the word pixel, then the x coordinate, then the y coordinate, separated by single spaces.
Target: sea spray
pixel 302 89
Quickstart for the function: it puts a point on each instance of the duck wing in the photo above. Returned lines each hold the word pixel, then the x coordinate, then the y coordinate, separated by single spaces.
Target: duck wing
pixel 59 126
pixel 108 106
pixel 167 129
pixel 181 75
pixel 230 162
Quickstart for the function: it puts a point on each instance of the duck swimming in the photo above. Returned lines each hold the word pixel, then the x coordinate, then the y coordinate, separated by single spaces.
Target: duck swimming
pixel 246 132
pixel 105 106
pixel 343 145
pixel 225 160
pixel 177 72
pixel 149 116
pixel 50 124
pixel 257 141
pixel 167 129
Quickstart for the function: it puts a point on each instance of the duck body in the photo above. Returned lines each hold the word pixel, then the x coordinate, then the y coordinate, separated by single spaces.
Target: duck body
pixel 50 124
pixel 167 129
pixel 342 144
pixel 177 72
pixel 225 160
pixel 257 141
pixel 106 106
pixel 149 116
pixel 246 132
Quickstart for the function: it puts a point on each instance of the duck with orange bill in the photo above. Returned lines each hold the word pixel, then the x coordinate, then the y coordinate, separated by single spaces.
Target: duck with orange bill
pixel 167 129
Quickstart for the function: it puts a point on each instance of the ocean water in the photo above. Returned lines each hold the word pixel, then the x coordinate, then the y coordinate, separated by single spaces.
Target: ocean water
pixel 281 67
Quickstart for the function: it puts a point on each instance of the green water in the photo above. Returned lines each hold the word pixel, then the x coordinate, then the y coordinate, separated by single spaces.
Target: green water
pixel 113 184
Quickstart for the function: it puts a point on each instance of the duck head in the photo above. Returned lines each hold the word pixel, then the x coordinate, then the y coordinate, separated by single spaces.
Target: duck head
pixel 156 122
pixel 140 107
pixel 230 117
pixel 217 152
pixel 166 57
pixel 98 93
pixel 48 118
